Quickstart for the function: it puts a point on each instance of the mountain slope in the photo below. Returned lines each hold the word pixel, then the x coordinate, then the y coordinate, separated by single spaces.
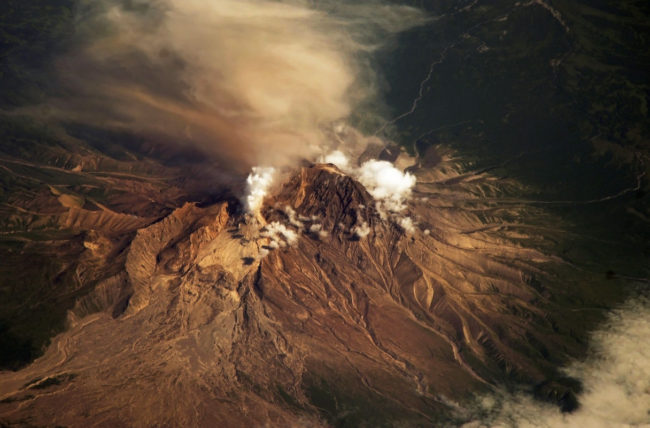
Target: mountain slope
pixel 211 321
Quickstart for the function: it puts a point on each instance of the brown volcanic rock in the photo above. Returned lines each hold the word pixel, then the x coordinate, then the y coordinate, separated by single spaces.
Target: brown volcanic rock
pixel 148 244
pixel 384 329
pixel 323 194
pixel 344 299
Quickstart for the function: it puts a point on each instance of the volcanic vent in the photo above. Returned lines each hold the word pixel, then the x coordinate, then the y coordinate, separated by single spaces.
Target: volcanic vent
pixel 328 314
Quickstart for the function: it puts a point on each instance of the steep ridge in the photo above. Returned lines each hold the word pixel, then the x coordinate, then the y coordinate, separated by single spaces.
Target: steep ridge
pixel 214 322
pixel 148 243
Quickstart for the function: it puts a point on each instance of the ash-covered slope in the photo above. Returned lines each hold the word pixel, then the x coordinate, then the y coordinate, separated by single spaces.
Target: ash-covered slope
pixel 343 318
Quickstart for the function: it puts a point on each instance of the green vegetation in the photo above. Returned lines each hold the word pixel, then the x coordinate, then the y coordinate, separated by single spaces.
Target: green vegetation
pixel 556 102
pixel 38 260
pixel 37 287
pixel 31 33
pixel 289 399
pixel 343 403
pixel 563 112
pixel 344 409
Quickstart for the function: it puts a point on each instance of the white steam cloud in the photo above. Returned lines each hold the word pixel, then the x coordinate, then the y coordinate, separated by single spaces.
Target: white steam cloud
pixel 362 230
pixel 386 183
pixel 616 382
pixel 279 235
pixel 407 224
pixel 251 81
pixel 390 187
pixel 337 158
pixel 257 186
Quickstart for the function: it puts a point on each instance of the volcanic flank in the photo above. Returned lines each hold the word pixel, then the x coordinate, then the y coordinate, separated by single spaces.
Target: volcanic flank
pixel 208 321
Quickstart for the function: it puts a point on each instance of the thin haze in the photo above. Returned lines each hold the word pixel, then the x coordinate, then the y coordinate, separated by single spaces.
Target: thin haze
pixel 254 82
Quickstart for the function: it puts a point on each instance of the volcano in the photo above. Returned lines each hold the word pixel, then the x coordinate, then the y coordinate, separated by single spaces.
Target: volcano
pixel 145 281
pixel 208 318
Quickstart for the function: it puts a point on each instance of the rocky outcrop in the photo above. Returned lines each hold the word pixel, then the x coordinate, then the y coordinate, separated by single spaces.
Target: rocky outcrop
pixel 101 220
pixel 143 253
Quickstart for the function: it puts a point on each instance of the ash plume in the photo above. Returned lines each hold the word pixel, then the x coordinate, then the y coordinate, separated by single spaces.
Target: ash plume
pixel 251 82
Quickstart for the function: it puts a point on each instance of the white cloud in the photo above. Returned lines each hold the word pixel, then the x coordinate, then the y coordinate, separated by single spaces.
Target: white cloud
pixel 362 230
pixel 337 158
pixel 389 186
pixel 294 219
pixel 407 224
pixel 279 235
pixel 317 228
pixel 257 186
pixel 386 183
pixel 615 377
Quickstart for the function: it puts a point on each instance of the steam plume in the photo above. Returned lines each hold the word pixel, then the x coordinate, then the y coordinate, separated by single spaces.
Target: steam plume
pixel 257 185
pixel 387 184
